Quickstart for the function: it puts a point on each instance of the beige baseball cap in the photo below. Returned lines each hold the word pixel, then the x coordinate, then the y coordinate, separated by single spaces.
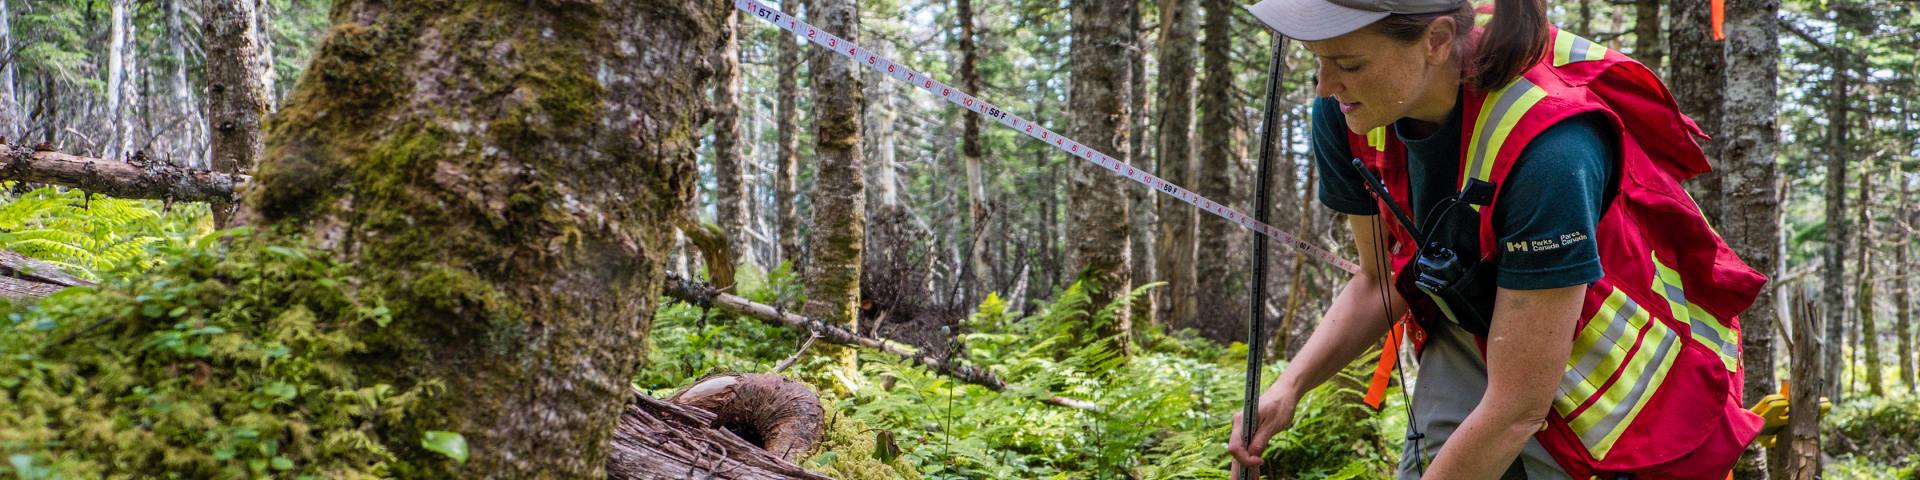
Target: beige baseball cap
pixel 1313 20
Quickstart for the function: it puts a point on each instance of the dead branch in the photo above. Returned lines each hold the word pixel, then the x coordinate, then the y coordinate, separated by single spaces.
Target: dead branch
pixel 118 179
pixel 702 294
pixel 660 439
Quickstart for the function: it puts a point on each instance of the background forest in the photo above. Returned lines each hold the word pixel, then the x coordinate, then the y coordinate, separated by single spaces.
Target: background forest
pixel 825 191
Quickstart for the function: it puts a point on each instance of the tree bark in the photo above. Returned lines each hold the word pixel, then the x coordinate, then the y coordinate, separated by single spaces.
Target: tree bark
pixel 118 38
pixel 970 151
pixel 1870 350
pixel 1646 33
pixel 186 140
pixel 1097 106
pixel 118 179
pixel 775 413
pixel 786 179
pixel 1903 323
pixel 839 189
pixel 1740 198
pixel 262 56
pixel 730 195
pixel 12 125
pixel 506 175
pixel 1176 252
pixel 1140 249
pixel 1838 231
pixel 236 94
pixel 1699 86
pixel 1802 438
pixel 1221 274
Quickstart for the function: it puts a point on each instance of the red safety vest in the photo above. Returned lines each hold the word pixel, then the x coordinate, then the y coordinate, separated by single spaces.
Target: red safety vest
pixel 1653 386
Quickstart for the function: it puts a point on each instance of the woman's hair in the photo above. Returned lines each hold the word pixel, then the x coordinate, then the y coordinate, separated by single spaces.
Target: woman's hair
pixel 1515 38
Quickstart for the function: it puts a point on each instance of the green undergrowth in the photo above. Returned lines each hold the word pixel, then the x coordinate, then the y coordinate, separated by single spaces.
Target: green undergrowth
pixel 87 235
pixel 1877 437
pixel 227 359
pixel 1164 411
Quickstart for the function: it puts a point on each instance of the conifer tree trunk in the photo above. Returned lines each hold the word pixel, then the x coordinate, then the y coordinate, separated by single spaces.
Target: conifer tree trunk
pixel 1097 206
pixel 236 91
pixel 1839 231
pixel 263 51
pixel 1870 350
pixel 1221 269
pixel 1903 323
pixel 839 186
pixel 503 175
pixel 1745 135
pixel 730 195
pixel 12 125
pixel 186 139
pixel 1699 86
pixel 970 151
pixel 117 110
pixel 1646 33
pixel 1141 201
pixel 1802 437
pixel 1178 223
pixel 786 177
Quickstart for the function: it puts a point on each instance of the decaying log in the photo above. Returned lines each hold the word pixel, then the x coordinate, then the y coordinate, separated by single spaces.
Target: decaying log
pixel 660 439
pixel 779 414
pixel 118 179
pixel 698 293
pixel 22 277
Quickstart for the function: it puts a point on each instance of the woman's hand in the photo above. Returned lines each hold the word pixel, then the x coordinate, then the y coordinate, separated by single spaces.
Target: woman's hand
pixel 1276 414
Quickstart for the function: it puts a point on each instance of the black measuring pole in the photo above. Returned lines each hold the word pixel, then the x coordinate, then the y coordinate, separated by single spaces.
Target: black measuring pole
pixel 1256 301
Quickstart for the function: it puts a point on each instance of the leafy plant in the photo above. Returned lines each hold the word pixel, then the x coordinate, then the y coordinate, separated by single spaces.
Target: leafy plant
pixel 88 237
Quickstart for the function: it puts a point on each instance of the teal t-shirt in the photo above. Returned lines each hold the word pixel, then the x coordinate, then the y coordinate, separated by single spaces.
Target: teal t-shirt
pixel 1557 190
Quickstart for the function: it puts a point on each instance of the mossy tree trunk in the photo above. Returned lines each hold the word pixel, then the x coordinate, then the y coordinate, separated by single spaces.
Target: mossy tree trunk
pixel 978 268
pixel 1839 231
pixel 839 189
pixel 1903 241
pixel 1097 202
pixel 1646 33
pixel 1175 254
pixel 504 175
pixel 1870 343
pixel 236 93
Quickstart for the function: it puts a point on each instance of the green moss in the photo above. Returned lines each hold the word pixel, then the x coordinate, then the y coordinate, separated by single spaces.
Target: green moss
pixel 226 361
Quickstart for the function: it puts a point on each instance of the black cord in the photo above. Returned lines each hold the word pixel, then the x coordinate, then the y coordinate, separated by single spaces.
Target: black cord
pixel 1386 307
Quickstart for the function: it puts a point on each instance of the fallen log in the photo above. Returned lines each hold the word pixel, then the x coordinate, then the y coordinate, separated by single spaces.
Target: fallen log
pixel 160 181
pixel 661 439
pixel 776 413
pixel 702 294
pixel 25 278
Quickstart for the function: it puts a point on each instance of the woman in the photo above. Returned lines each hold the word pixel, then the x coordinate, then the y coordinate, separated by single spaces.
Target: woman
pixel 1575 314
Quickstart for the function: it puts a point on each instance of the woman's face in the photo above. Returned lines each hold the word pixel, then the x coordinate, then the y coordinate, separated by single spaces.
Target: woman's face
pixel 1377 79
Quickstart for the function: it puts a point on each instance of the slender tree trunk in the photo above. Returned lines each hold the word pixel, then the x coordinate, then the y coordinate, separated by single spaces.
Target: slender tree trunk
pixel 1221 273
pixel 1802 437
pixel 1177 249
pixel 1141 201
pixel 977 206
pixel 1870 350
pixel 263 51
pixel 1699 85
pixel 1586 17
pixel 236 94
pixel 730 195
pixel 1097 96
pixel 496 226
pixel 186 139
pixel 1646 33
pixel 1903 323
pixel 1746 184
pixel 12 126
pixel 839 187
pixel 1838 231
pixel 117 40
pixel 786 177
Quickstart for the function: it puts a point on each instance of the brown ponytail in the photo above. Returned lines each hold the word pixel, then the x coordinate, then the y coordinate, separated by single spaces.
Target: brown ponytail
pixel 1514 40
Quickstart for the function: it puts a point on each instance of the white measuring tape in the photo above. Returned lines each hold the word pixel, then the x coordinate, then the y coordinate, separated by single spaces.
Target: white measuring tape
pixel 964 100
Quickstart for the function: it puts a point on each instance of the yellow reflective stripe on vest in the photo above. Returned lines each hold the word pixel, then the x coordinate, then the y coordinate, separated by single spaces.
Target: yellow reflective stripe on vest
pixel 1499 113
pixel 1570 48
pixel 1621 337
pixel 1377 138
pixel 1707 329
